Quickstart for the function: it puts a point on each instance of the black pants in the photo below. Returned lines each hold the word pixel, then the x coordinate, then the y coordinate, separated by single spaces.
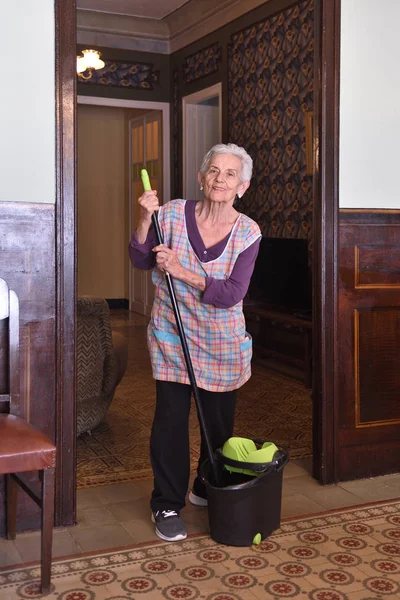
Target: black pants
pixel 169 442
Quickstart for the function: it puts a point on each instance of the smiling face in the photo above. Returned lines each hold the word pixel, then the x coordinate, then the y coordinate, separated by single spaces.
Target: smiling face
pixel 222 182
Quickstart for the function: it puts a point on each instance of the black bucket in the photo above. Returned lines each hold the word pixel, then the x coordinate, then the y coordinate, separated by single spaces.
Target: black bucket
pixel 244 507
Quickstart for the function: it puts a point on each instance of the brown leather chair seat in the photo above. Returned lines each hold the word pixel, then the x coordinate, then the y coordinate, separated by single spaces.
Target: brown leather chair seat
pixel 23 448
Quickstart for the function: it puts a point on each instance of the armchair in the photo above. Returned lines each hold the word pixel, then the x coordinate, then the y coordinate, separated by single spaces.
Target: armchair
pixel 102 357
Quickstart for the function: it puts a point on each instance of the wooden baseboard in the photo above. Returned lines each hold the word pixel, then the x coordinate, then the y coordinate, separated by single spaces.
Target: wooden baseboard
pixel 121 303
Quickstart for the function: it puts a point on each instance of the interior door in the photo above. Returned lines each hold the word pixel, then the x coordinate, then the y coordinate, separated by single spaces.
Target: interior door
pixel 145 152
pixel 202 132
pixel 202 129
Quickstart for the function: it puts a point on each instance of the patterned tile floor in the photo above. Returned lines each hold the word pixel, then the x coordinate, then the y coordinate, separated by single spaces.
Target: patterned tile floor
pixel 350 554
pixel 118 515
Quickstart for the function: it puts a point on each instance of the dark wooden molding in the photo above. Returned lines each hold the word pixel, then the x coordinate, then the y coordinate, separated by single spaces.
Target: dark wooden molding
pixel 364 216
pixel 325 238
pixel 65 31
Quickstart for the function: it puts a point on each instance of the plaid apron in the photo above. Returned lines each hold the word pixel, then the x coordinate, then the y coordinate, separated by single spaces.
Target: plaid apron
pixel 219 346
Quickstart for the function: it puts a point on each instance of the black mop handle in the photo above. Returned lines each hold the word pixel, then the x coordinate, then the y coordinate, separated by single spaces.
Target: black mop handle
pixel 186 353
pixel 181 331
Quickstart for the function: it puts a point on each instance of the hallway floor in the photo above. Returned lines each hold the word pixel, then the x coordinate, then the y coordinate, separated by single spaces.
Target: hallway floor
pixel 118 515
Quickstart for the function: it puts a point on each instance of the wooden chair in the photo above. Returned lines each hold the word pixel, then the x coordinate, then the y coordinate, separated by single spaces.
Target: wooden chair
pixel 23 448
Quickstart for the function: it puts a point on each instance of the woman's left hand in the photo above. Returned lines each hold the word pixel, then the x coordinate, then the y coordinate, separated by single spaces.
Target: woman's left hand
pixel 167 260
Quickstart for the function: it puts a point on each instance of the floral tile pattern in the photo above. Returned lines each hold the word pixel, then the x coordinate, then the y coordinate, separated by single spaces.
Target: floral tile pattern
pixel 342 555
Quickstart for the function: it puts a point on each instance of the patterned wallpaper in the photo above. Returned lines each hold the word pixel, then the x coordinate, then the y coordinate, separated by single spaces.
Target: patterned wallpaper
pixel 270 88
pixel 202 63
pixel 140 76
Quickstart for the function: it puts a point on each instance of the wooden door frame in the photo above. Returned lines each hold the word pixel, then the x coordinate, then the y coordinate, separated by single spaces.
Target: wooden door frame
pixel 65 266
pixel 164 108
pixel 325 242
pixel 326 238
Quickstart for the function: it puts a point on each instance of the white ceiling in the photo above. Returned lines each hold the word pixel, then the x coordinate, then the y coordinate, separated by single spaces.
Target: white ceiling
pixel 151 9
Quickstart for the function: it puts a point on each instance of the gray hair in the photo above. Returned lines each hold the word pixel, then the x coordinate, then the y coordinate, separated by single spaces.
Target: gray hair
pixel 246 160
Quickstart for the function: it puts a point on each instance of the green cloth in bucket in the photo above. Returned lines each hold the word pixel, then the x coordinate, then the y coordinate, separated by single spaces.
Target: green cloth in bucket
pixel 245 450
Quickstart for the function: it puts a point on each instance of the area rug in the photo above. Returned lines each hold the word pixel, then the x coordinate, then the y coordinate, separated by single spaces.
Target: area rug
pixel 270 406
pixel 351 554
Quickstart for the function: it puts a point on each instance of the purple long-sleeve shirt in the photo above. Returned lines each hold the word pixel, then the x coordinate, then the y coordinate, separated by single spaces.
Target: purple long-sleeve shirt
pixel 221 293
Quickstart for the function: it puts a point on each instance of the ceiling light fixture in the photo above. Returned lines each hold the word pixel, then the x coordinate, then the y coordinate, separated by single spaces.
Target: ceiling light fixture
pixel 87 63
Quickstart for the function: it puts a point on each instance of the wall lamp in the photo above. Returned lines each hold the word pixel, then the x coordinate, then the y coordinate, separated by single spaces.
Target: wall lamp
pixel 87 63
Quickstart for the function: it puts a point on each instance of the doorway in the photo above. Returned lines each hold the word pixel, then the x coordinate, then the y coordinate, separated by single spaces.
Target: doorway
pixel 145 151
pixel 325 243
pixel 150 117
pixel 202 129
pixel 281 335
pixel 164 107
pixel 115 140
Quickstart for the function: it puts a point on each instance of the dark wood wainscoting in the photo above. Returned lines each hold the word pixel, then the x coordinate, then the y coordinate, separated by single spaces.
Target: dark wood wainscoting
pixel 37 258
pixel 27 263
pixel 368 420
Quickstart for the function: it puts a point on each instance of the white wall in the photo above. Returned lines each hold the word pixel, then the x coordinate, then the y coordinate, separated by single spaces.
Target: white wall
pixel 369 104
pixel 27 105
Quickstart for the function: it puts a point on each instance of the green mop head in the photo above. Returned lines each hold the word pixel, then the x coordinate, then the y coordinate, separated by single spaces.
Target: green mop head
pixel 246 451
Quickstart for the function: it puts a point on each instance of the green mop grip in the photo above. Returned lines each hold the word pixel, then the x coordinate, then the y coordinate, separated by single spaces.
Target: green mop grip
pixel 145 180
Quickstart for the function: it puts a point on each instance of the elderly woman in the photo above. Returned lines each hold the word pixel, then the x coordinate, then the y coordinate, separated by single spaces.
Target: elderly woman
pixel 209 250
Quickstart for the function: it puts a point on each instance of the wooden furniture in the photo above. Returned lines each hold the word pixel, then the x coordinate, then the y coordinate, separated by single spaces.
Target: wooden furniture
pixel 24 449
pixel 282 335
pixel 101 361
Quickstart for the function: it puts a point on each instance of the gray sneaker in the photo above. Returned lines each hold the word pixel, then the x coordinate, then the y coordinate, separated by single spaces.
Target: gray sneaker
pixel 169 525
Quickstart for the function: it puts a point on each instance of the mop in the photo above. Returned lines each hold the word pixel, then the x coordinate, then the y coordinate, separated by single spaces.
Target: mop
pixel 185 348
